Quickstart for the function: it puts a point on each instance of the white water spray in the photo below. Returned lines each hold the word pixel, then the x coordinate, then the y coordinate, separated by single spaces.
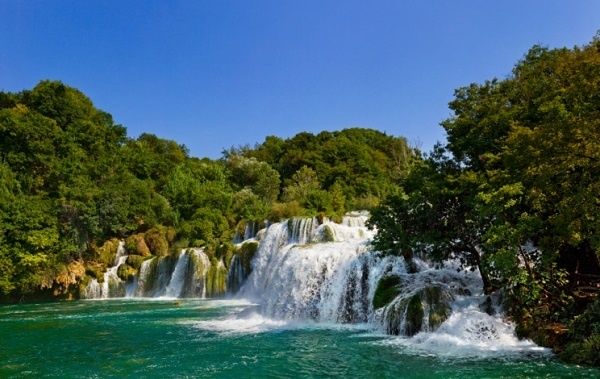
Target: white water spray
pixel 183 276
pixel 175 286
pixel 298 277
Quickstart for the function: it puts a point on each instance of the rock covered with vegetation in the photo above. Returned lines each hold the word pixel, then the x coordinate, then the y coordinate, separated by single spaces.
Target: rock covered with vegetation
pixel 424 309
pixel 387 289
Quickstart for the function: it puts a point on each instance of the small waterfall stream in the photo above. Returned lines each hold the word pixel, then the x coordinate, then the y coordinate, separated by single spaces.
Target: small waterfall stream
pixel 111 285
pixel 185 275
pixel 175 286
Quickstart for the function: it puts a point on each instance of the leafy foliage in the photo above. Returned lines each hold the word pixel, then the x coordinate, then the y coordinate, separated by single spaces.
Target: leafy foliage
pixel 515 190
pixel 333 172
pixel 72 183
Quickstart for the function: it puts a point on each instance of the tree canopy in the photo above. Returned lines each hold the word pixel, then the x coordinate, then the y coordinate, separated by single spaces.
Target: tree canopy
pixel 335 171
pixel 515 190
pixel 71 179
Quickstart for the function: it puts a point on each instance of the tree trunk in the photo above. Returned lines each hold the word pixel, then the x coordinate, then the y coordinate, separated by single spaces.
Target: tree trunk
pixel 488 288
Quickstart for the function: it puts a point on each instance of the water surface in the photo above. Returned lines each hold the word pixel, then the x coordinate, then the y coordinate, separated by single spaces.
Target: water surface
pixel 228 339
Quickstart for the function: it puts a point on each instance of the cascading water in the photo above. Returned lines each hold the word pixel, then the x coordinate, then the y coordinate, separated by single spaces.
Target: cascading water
pixel 112 285
pixel 145 277
pixel 175 286
pixel 310 269
pixel 328 273
pixel 250 230
pixel 236 274
pixel 183 276
pixel 196 274
pixel 320 281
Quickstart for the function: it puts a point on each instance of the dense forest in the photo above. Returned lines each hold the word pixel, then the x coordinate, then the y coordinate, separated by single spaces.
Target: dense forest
pixel 513 193
pixel 72 181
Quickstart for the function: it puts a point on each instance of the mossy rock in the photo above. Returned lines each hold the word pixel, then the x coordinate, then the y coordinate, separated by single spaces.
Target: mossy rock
pixel 224 252
pixel 135 261
pixel 95 270
pixel 247 251
pixel 106 253
pixel 136 245
pixel 414 316
pixel 216 278
pixel 85 281
pixel 209 251
pixel 327 235
pixel 156 239
pixel 170 234
pixel 126 272
pixel 197 266
pixel 260 234
pixel 388 288
pixel 438 301
pixel 407 316
pixel 148 285
pixel 116 288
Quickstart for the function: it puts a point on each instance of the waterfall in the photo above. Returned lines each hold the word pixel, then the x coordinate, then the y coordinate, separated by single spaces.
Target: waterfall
pixel 112 285
pixel 324 281
pixel 355 219
pixel 185 275
pixel 175 286
pixel 329 273
pixel 302 230
pixel 250 230
pixel 315 269
pixel 236 274
pixel 196 274
pixel 144 282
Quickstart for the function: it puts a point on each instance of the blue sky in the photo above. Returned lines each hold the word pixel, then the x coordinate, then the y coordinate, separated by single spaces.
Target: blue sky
pixel 213 74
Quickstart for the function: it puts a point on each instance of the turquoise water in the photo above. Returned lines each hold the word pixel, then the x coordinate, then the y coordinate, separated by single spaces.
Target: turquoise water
pixel 225 339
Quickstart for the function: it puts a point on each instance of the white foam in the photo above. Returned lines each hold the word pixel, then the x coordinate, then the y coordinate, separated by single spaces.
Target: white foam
pixel 324 285
pixel 294 278
pixel 253 323
pixel 469 333
pixel 175 286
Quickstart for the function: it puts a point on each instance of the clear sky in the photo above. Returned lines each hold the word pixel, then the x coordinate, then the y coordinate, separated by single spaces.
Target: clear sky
pixel 212 74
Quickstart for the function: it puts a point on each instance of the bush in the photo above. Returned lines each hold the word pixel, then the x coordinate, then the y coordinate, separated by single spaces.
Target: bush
pixel 156 239
pixel 281 211
pixel 136 244
pixel 585 334
pixel 586 352
pixel 135 261
pixel 106 253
